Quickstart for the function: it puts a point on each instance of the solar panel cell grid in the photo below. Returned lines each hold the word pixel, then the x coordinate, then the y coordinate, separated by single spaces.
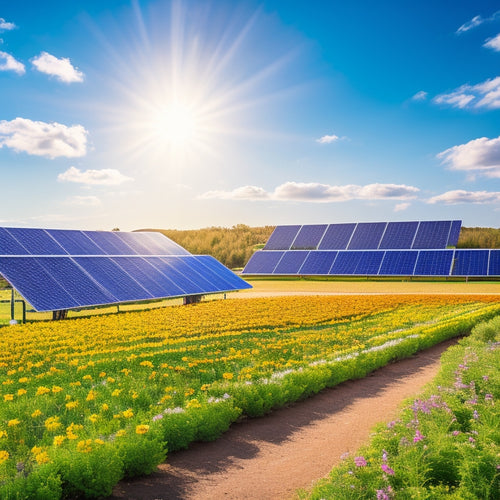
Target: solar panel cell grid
pixel 336 237
pixel 432 234
pixel 175 281
pixel 206 277
pixel 9 245
pixel 75 242
pixel 494 263
pixel 282 238
pixel 369 263
pixel 470 263
pixel 399 235
pixel 262 262
pixel 454 233
pixel 346 263
pixel 291 262
pixel 318 262
pixel 367 235
pixel 398 263
pixel 309 237
pixel 36 241
pixel 434 263
pixel 235 282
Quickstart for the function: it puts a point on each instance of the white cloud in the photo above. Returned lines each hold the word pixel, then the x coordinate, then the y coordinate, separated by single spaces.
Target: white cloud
pixel 328 139
pixel 400 207
pixel 493 43
pixel 316 192
pixel 9 63
pixel 461 196
pixel 5 26
pixel 84 201
pixel 475 21
pixel 62 68
pixel 477 157
pixel 43 139
pixel 483 95
pixel 105 177
pixel 420 96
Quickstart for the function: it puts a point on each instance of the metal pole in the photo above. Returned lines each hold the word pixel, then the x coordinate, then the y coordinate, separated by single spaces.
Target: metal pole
pixel 12 305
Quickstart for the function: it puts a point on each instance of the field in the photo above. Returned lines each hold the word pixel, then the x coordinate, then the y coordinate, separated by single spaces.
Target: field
pixel 91 400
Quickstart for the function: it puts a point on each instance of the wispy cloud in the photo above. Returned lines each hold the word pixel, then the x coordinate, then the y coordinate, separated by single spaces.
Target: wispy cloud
pixel 461 196
pixel 104 177
pixel 328 139
pixel 483 95
pixel 400 207
pixel 477 21
pixel 51 140
pixel 84 201
pixel 9 63
pixel 493 43
pixel 477 157
pixel 6 26
pixel 61 69
pixel 318 193
pixel 420 96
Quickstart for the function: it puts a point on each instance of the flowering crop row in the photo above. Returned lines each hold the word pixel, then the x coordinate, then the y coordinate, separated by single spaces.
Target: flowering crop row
pixel 86 401
pixel 446 443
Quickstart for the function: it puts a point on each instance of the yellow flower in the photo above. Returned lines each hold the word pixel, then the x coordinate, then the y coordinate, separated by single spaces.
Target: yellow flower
pixel 193 403
pixel 105 407
pixel 36 413
pixel 146 363
pixel 84 446
pixel 121 432
pixel 141 429
pixel 189 392
pixel 36 449
pixel 227 376
pixel 98 441
pixel 128 413
pixel 23 380
pixel 56 389
pixel 13 422
pixel 94 418
pixel 52 423
pixel 71 405
pixel 42 458
pixel 42 390
pixel 21 392
pixel 102 374
pixel 87 377
pixel 116 393
pixel 4 455
pixel 8 397
pixel 91 395
pixel 58 440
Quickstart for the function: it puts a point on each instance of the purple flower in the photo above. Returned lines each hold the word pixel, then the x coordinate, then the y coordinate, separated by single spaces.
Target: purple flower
pixel 387 469
pixel 472 440
pixel 418 436
pixel 488 397
pixel 475 415
pixel 456 433
pixel 360 462
pixel 385 494
pixel 486 378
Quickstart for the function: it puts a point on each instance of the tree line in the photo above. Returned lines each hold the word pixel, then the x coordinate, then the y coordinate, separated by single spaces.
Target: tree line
pixel 234 246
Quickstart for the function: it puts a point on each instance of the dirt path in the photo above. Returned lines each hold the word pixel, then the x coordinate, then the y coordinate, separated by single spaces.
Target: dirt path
pixel 271 457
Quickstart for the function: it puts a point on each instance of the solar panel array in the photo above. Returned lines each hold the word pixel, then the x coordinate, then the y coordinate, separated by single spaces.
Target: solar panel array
pixel 415 248
pixel 66 269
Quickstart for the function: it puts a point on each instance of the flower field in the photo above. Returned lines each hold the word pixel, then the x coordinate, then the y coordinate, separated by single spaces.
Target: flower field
pixel 86 402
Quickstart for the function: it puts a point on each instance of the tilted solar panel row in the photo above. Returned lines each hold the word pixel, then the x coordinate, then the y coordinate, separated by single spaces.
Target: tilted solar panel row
pixel 366 236
pixel 446 262
pixel 67 269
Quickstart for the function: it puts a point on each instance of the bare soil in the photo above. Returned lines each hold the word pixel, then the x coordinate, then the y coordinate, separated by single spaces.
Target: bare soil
pixel 273 456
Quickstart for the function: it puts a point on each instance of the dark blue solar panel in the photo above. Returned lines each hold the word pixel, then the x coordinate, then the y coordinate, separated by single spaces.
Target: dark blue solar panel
pixel 66 272
pixel 9 245
pixel 110 243
pixel 399 263
pixel 235 282
pixel 432 234
pixel 471 263
pixel 398 235
pixel 36 241
pixel 309 237
pixel 336 237
pixel 262 262
pixel 434 263
pixel 367 235
pixel 369 263
pixel 318 262
pixel 34 283
pixel 75 242
pixel 454 233
pixel 282 238
pixel 494 265
pixel 346 262
pixel 291 262
pixel 205 276
pixel 114 278
pixel 184 266
pixel 174 280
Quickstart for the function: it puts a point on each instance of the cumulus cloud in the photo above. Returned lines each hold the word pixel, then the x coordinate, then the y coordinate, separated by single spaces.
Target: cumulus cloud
pixel 477 21
pixel 477 157
pixel 328 139
pixel 5 26
pixel 84 201
pixel 104 177
pixel 461 196
pixel 316 192
pixel 420 96
pixel 483 95
pixel 400 207
pixel 62 69
pixel 43 139
pixel 9 63
pixel 493 43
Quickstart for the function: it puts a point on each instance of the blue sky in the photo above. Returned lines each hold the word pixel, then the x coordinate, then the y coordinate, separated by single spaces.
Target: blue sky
pixel 188 114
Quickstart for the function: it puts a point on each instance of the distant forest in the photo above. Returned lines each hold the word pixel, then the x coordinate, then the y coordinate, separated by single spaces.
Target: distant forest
pixel 233 246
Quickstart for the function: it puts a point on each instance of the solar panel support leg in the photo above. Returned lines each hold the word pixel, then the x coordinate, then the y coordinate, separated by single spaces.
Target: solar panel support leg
pixel 59 314
pixel 12 305
pixel 191 299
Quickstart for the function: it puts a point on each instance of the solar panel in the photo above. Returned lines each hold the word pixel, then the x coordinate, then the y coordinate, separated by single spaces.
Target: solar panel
pixel 367 235
pixel 346 262
pixel 282 238
pixel 369 263
pixel 263 262
pixel 291 262
pixel 434 263
pixel 336 237
pixel 432 234
pixel 454 233
pixel 308 237
pixel 471 263
pixel 398 263
pixel 494 263
pixel 399 235
pixel 64 269
pixel 318 262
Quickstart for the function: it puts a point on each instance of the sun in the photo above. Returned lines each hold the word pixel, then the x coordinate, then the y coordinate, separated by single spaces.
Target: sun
pixel 175 124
